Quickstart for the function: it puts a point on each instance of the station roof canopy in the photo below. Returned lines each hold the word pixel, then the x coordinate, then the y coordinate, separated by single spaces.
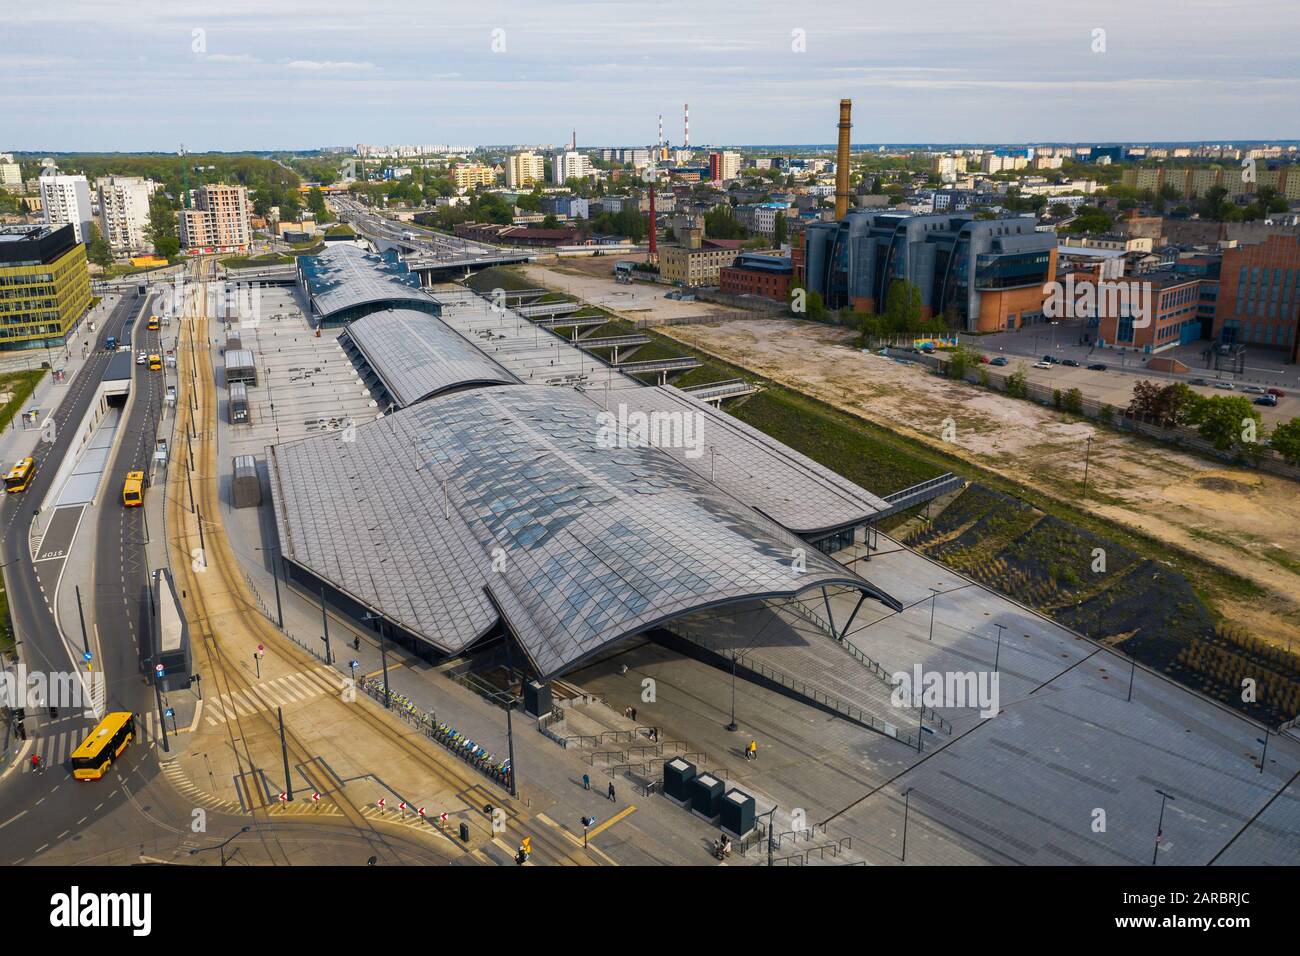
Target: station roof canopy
pixel 345 278
pixel 416 355
pixel 510 504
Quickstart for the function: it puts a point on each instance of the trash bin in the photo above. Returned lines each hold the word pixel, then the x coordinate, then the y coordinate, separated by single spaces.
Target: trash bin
pixel 464 833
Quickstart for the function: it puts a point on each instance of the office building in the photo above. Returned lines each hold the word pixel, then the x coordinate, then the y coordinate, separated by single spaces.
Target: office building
pixel 724 165
pixel 66 200
pixel 124 213
pixel 217 219
pixel 570 207
pixel 44 285
pixel 525 169
pixel 982 275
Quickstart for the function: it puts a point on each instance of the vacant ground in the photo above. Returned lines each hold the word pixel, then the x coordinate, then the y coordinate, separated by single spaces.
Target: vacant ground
pixel 1242 521
pixel 588 279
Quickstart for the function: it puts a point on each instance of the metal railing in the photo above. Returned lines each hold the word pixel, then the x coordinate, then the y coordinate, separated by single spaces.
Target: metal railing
pixel 805 690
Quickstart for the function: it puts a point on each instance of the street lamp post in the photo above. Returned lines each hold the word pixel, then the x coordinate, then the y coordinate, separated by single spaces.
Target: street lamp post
pixel 1087 454
pixel 907 797
pixel 1160 827
pixel 934 593
pixel 997 656
pixel 275 576
pixel 732 726
pixel 221 847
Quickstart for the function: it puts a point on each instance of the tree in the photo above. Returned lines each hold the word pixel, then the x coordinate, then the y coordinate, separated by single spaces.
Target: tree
pixel 1090 219
pixel 1166 405
pixel 903 307
pixel 161 230
pixel 779 231
pixel 1017 384
pixel 316 203
pixel 1226 422
pixel 550 222
pixel 1286 441
pixel 721 224
pixel 97 250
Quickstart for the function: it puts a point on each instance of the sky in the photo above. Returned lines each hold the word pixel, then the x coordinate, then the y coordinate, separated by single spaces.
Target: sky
pixel 79 75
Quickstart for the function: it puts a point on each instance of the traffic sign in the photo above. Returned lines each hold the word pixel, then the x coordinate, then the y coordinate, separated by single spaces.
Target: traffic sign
pixel 381 803
pixel 86 656
pixel 283 797
pixel 315 797
pixel 420 811
pixel 158 669
pixel 169 712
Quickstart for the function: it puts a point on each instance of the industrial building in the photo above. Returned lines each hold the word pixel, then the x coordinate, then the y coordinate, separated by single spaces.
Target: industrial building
pixel 44 285
pixel 981 275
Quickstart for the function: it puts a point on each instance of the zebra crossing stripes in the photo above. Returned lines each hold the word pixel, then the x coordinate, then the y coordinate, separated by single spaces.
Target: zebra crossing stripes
pixel 56 748
pixel 289 689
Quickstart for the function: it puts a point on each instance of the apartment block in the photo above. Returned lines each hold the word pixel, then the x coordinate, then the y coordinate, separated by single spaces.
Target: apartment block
pixel 525 169
pixel 468 175
pixel 1259 295
pixel 124 213
pixel 217 218
pixel 65 200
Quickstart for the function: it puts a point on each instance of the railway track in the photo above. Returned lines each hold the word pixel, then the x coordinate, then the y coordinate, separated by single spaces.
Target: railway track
pixel 183 532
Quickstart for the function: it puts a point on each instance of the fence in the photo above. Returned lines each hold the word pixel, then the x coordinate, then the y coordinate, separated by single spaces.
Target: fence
pixel 1265 459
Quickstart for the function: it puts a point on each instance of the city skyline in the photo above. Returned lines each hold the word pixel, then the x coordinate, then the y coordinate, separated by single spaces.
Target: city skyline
pixel 136 78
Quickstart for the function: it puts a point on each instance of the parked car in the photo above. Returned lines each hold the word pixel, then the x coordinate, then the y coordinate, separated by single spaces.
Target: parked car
pixel 1269 400
pixel 1226 386
pixel 1199 381
pixel 1277 393
pixel 1097 367
pixel 1253 389
pixel 1051 359
pixel 1042 364
pixel 984 360
pixel 1000 360
pixel 1070 362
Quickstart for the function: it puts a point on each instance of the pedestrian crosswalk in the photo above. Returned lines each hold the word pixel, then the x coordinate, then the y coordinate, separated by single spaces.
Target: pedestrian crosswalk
pixel 280 692
pixel 55 742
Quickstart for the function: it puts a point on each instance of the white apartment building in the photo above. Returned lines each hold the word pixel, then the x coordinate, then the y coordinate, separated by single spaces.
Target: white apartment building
pixel 11 174
pixel 218 216
pixel 124 213
pixel 524 169
pixel 569 164
pixel 66 199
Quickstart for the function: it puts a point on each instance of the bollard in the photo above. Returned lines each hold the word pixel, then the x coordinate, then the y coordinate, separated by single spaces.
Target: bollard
pixel 464 833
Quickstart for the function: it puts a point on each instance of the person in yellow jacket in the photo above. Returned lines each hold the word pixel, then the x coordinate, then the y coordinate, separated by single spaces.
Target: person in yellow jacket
pixel 751 752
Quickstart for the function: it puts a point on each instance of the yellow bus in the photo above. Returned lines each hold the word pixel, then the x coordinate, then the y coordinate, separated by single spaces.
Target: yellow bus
pixel 155 363
pixel 105 744
pixel 133 489
pixel 153 323
pixel 20 475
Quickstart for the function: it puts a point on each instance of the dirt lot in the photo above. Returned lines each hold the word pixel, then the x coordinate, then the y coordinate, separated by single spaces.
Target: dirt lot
pixel 1245 522
pixel 588 278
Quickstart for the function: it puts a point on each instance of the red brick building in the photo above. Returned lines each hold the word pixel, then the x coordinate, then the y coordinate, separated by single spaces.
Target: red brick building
pixel 758 274
pixel 1259 295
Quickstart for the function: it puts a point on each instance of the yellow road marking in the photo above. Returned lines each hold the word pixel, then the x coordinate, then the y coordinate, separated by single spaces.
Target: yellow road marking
pixel 610 822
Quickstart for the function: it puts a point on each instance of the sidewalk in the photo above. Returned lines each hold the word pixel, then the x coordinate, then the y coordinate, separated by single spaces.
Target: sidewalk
pixel 18 442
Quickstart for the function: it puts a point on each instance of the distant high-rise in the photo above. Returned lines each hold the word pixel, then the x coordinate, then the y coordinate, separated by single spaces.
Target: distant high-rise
pixel 569 164
pixel 66 200
pixel 523 169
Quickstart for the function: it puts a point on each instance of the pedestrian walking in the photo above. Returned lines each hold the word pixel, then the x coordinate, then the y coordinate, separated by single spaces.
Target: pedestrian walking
pixel 586 782
pixel 751 752
pixel 611 790
pixel 634 713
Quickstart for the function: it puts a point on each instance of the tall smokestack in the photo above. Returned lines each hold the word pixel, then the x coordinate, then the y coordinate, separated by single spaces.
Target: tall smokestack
pixel 842 162
pixel 573 143
pixel 686 144
pixel 661 130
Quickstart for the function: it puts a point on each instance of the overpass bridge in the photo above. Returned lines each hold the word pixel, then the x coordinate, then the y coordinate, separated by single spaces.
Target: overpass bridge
pixel 717 391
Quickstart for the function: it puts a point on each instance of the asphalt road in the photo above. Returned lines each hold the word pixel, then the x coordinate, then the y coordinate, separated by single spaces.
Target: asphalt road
pixel 40 810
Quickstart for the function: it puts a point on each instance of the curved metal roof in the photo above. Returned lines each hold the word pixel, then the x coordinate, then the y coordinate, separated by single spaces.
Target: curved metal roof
pixel 505 501
pixel 416 355
pixel 345 276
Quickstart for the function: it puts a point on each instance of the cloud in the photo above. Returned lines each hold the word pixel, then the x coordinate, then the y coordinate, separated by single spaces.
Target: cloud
pixel 336 66
pixel 230 57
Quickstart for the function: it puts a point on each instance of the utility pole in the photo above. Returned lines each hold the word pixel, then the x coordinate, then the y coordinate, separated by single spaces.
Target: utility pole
pixel 325 626
pixel 510 705
pixel 1087 454
pixel 1160 827
pixel 157 691
pixel 907 795
pixel 933 594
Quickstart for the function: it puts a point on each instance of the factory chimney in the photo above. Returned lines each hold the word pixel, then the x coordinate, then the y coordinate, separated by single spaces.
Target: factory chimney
pixel 842 162
pixel 661 131
pixel 654 226
pixel 686 144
